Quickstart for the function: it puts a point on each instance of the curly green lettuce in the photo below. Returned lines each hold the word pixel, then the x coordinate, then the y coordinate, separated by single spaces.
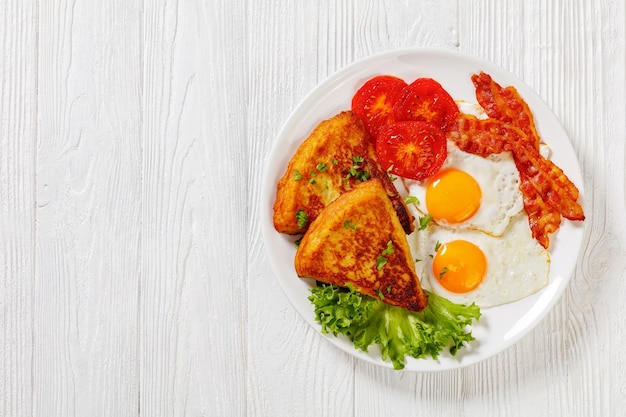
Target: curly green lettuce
pixel 399 332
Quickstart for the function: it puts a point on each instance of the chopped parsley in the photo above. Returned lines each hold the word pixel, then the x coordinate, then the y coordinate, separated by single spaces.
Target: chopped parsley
pixel 380 294
pixel 349 225
pixel 424 221
pixel 302 219
pixel 356 170
pixel 297 175
pixel 443 271
pixel 437 246
pixel 410 199
pixel 389 249
pixel 380 262
pixel 321 167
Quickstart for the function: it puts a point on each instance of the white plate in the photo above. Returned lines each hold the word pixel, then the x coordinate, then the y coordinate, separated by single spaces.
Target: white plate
pixel 498 327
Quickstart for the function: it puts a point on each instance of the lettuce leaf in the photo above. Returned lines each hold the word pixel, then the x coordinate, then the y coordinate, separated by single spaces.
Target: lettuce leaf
pixel 399 332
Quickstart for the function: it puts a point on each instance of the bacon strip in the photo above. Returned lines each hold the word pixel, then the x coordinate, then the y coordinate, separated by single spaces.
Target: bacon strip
pixel 478 136
pixel 546 190
pixel 484 137
pixel 506 105
pixel 549 180
pixel 542 218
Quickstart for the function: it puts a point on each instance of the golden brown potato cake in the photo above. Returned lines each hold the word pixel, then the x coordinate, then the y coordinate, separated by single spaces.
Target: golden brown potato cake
pixel 338 155
pixel 358 239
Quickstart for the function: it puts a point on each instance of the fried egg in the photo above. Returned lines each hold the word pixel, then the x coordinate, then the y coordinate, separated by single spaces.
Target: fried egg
pixel 477 246
pixel 470 192
pixel 468 266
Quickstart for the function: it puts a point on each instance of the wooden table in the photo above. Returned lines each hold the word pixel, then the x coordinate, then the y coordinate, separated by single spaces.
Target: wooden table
pixel 133 277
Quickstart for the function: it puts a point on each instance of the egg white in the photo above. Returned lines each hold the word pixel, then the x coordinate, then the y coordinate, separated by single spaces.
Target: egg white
pixel 517 265
pixel 498 179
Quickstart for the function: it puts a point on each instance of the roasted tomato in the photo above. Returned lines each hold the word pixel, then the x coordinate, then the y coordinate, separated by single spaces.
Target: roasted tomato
pixel 374 102
pixel 411 149
pixel 426 100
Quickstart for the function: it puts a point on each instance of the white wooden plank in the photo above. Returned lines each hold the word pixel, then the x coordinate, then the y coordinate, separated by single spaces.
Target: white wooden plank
pixel 510 35
pixel 379 390
pixel 143 287
pixel 529 50
pixel 18 85
pixel 193 249
pixel 291 369
pixel 387 25
pixel 88 210
pixel 305 48
pixel 566 52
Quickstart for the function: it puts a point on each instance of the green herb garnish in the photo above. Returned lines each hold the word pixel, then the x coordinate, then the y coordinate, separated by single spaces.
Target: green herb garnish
pixel 424 221
pixel 380 262
pixel 356 172
pixel 349 225
pixel 443 271
pixel 389 249
pixel 302 219
pixel 368 321
pixel 410 199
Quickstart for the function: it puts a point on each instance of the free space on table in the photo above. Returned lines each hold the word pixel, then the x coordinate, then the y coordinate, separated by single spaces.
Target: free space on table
pixel 134 280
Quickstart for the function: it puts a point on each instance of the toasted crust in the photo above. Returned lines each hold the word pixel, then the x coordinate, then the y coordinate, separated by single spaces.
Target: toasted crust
pixel 320 171
pixel 345 242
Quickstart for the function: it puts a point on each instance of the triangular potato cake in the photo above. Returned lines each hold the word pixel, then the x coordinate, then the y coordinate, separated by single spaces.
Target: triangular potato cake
pixel 337 155
pixel 358 239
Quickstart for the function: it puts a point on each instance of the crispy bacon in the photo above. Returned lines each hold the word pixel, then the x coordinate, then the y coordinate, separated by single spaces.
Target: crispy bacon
pixel 542 218
pixel 487 136
pixel 547 192
pixel 548 180
pixel 506 105
pixel 478 136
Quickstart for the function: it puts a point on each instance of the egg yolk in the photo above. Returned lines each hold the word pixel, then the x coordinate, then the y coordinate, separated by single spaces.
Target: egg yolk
pixel 459 266
pixel 453 196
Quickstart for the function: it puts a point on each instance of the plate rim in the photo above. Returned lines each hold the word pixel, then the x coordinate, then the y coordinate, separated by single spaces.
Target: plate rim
pixel 557 284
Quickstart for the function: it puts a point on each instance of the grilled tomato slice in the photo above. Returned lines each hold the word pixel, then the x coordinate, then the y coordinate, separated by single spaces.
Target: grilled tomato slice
pixel 411 149
pixel 374 102
pixel 426 100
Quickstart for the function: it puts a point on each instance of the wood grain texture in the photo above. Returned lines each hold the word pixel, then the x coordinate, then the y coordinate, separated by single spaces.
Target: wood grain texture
pixel 133 276
pixel 193 254
pixel 542 44
pixel 88 207
pixel 564 51
pixel 18 84
pixel 291 370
